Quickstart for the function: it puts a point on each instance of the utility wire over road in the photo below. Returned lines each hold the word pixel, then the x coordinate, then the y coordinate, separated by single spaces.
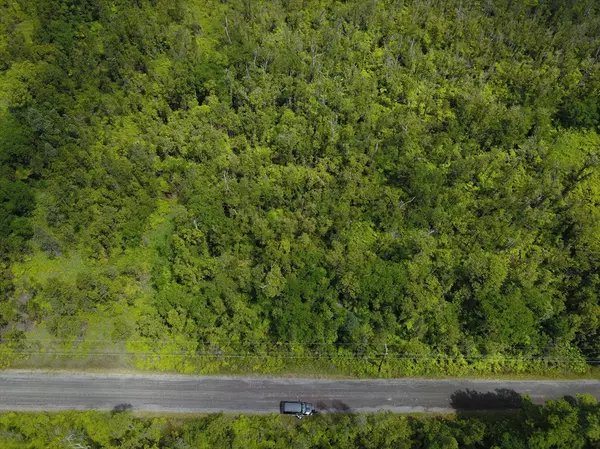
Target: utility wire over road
pixel 166 393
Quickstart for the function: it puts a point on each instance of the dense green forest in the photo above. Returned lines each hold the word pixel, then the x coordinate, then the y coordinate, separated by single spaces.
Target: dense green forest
pixel 369 187
pixel 560 424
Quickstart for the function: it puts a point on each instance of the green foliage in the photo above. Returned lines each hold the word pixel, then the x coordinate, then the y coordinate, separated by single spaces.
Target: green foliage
pixel 263 182
pixel 16 204
pixel 558 424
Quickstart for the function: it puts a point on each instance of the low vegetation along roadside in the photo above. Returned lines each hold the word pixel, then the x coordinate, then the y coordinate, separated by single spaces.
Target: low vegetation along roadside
pixel 572 423
pixel 365 188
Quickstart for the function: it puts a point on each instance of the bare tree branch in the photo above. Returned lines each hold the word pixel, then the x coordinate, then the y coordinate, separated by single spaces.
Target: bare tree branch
pixel 227 30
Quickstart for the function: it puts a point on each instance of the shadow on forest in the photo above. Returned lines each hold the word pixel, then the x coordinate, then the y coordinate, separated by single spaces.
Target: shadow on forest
pixel 120 408
pixel 500 399
pixel 334 406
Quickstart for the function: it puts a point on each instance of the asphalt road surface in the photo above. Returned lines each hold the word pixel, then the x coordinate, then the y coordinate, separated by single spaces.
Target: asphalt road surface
pixel 40 391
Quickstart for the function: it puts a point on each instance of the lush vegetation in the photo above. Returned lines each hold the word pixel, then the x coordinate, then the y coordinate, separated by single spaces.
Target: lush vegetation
pixel 270 185
pixel 558 424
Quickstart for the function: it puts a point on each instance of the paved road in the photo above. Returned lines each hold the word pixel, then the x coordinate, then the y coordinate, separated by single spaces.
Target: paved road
pixel 36 391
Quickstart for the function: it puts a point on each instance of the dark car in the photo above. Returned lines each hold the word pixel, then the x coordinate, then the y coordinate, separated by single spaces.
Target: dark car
pixel 297 408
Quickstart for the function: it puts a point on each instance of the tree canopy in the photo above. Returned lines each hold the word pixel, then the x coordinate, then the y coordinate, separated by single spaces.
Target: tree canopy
pixel 316 180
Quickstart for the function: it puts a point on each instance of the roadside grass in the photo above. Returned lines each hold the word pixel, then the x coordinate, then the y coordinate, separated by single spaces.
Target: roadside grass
pixel 92 352
pixel 129 363
pixel 292 421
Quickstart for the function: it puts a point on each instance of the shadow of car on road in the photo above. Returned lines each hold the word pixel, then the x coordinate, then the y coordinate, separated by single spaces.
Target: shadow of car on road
pixel 333 406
